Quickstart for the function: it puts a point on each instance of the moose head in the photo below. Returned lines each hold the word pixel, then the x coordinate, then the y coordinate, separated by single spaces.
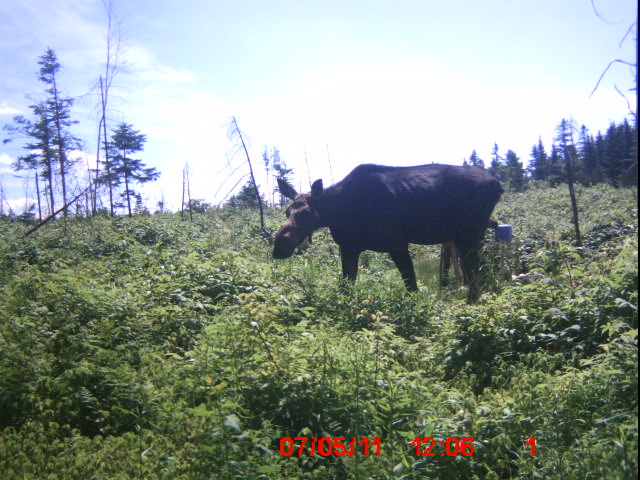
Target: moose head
pixel 302 218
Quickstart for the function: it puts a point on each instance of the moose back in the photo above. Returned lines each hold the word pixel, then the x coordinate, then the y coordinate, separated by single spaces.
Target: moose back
pixel 385 209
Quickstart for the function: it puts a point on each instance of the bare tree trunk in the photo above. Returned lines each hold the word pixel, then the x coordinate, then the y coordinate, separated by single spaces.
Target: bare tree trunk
pixel 126 190
pixel 308 171
pixel 95 181
pixel 113 65
pixel 1 199
pixel 38 195
pixel 106 150
pixel 568 159
pixel 50 187
pixel 574 203
pixel 64 207
pixel 183 192
pixel 62 155
pixel 330 168
pixel 186 167
pixel 236 131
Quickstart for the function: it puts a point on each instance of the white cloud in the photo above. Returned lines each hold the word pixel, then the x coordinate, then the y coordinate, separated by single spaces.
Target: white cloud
pixel 168 75
pixel 5 159
pixel 6 110
pixel 145 70
pixel 19 205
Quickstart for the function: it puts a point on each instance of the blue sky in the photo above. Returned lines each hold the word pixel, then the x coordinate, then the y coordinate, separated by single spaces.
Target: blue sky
pixel 397 82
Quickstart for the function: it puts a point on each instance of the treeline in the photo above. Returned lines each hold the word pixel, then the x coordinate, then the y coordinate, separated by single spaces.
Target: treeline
pixel 52 158
pixel 610 158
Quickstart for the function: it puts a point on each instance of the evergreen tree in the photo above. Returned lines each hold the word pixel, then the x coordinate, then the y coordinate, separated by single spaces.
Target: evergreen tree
pixel 612 154
pixel 199 205
pixel 514 172
pixel 280 170
pixel 49 141
pixel 556 171
pixel 125 170
pixel 539 164
pixel 245 198
pixel 57 109
pixel 475 160
pixel 266 160
pixel 40 155
pixel 589 163
pixel 497 167
pixel 620 154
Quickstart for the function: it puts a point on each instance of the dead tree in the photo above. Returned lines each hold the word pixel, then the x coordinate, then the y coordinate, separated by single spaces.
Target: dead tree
pixel 235 134
pixel 567 145
pixel 114 63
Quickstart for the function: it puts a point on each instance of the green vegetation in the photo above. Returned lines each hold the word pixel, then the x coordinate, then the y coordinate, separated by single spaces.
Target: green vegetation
pixel 155 348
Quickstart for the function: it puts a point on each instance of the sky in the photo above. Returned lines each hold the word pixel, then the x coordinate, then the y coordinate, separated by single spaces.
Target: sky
pixel 330 83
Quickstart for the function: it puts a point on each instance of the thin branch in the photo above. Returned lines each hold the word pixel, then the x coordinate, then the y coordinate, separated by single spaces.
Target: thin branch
pixel 625 99
pixel 617 60
pixel 232 188
pixel 598 14
pixel 627 34
pixel 228 178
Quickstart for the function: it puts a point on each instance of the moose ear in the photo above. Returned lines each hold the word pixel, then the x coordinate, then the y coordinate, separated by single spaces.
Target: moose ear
pixel 286 189
pixel 317 188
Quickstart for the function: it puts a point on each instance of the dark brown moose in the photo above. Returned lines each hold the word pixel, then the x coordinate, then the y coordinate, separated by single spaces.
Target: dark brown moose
pixel 385 209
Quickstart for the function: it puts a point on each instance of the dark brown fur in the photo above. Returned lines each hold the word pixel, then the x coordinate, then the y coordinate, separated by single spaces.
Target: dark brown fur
pixel 385 209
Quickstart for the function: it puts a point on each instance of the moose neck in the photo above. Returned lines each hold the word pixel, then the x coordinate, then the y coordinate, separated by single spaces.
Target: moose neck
pixel 330 206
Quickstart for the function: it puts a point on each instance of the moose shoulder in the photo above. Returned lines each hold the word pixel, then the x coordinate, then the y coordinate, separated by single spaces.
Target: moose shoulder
pixel 385 209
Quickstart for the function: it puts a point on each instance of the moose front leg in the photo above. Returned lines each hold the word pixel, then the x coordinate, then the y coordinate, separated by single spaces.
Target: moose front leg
pixel 349 264
pixel 402 259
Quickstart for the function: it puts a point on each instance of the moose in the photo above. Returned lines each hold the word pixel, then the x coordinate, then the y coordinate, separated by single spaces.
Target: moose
pixel 384 209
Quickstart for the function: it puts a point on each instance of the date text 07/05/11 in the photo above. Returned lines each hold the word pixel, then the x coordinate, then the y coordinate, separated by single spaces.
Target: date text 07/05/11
pixel 342 446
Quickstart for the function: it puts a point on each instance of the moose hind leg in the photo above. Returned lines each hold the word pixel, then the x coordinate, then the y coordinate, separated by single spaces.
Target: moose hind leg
pixel 402 259
pixel 445 263
pixel 469 256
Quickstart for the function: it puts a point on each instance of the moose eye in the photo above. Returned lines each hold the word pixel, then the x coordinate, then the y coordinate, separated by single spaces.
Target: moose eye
pixel 306 213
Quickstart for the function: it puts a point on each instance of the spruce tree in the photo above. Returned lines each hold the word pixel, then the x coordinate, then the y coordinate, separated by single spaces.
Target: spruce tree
pixel 281 170
pixel 57 109
pixel 245 198
pixel 556 171
pixel 475 160
pixel 125 170
pixel 539 164
pixel 40 155
pixel 514 172
pixel 497 167
pixel 588 156
pixel 49 141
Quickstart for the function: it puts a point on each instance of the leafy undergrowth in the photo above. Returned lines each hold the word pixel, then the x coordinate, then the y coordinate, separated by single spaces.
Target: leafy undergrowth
pixel 160 349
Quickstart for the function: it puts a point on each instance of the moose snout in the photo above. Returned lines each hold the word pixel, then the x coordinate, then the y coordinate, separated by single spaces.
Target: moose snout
pixel 284 245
